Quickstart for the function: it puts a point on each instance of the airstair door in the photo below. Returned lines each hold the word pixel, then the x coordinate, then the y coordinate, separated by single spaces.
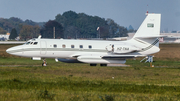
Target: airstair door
pixel 43 48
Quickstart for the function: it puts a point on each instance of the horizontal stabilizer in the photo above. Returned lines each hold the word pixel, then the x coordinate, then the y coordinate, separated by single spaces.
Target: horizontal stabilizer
pixel 154 36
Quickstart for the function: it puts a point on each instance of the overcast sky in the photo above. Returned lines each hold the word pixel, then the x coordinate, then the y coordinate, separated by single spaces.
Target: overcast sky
pixel 124 12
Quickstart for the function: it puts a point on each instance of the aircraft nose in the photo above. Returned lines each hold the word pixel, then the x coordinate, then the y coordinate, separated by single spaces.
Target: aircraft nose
pixel 9 50
pixel 17 50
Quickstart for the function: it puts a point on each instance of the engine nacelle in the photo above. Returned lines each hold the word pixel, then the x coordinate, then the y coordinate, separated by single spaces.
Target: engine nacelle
pixel 122 48
pixel 69 60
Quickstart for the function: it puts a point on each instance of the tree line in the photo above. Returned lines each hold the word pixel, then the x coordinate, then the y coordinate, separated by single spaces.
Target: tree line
pixel 68 25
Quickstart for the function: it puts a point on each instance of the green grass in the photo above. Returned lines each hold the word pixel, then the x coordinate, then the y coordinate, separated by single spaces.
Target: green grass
pixel 158 63
pixel 25 79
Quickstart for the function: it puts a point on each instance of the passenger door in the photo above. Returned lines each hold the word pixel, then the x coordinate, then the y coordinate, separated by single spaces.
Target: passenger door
pixel 43 48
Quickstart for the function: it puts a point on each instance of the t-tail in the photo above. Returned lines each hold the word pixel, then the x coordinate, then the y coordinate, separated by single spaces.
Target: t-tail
pixel 148 34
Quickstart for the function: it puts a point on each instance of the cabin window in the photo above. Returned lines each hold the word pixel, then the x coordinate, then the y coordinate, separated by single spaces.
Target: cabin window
pixel 35 43
pixel 72 46
pixel 150 25
pixel 63 46
pixel 55 46
pixel 31 43
pixel 90 46
pixel 80 46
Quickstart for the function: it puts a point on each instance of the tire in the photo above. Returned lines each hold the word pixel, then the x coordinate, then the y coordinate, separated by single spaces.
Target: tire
pixel 93 64
pixel 103 64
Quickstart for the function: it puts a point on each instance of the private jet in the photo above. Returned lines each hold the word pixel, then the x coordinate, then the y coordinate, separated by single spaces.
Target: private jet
pixel 144 43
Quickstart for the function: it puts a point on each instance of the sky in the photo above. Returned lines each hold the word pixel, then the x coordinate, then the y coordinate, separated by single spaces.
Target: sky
pixel 123 12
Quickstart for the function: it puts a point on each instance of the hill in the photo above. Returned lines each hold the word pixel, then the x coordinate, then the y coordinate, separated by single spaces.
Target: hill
pixel 17 23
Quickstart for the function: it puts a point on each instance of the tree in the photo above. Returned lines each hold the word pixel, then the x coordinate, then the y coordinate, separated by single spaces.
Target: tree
pixel 116 30
pixel 72 32
pixel 30 22
pixel 83 24
pixel 87 25
pixel 122 32
pixel 28 32
pixel 2 31
pixel 17 23
pixel 13 34
pixel 47 30
pixel 71 17
pixel 104 32
pixel 130 29
pixel 61 19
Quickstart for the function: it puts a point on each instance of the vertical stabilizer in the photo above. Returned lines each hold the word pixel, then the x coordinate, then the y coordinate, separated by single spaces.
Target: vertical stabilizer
pixel 150 26
pixel 147 36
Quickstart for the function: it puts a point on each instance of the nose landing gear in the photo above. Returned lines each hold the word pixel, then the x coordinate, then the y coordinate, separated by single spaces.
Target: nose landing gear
pixel 44 62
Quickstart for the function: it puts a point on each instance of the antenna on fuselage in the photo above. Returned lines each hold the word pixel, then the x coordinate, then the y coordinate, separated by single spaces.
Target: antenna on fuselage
pixel 39 37
pixel 54 32
pixel 147 11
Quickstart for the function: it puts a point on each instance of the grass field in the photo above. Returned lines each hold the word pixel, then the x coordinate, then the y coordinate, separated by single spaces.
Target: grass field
pixel 22 79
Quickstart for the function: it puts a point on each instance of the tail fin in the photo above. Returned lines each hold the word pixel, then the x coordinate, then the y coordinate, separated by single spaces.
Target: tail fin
pixel 150 27
pixel 147 36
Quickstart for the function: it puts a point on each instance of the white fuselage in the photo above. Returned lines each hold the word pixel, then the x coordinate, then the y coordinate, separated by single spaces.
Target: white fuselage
pixel 144 42
pixel 71 49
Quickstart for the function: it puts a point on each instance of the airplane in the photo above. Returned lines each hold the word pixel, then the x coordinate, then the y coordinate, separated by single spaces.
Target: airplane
pixel 144 43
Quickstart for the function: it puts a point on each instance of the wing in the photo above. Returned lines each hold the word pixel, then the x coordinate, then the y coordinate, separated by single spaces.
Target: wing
pixel 99 59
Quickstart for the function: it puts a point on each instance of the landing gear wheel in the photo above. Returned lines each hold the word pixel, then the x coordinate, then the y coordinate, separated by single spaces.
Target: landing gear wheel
pixel 103 64
pixel 42 64
pixel 93 64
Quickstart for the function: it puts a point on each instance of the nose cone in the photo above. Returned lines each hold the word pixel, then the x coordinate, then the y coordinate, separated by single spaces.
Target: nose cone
pixel 17 50
pixel 9 50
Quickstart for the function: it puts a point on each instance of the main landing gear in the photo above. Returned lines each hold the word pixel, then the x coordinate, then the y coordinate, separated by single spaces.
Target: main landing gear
pixel 44 62
pixel 103 64
pixel 100 64
pixel 93 64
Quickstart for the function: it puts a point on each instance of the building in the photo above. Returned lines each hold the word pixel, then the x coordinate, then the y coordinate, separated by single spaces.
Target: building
pixel 4 37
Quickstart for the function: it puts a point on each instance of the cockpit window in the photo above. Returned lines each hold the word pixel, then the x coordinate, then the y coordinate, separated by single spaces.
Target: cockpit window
pixel 27 43
pixel 31 43
pixel 35 43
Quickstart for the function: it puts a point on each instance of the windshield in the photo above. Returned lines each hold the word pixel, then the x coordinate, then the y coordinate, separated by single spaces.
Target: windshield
pixel 30 43
pixel 26 43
